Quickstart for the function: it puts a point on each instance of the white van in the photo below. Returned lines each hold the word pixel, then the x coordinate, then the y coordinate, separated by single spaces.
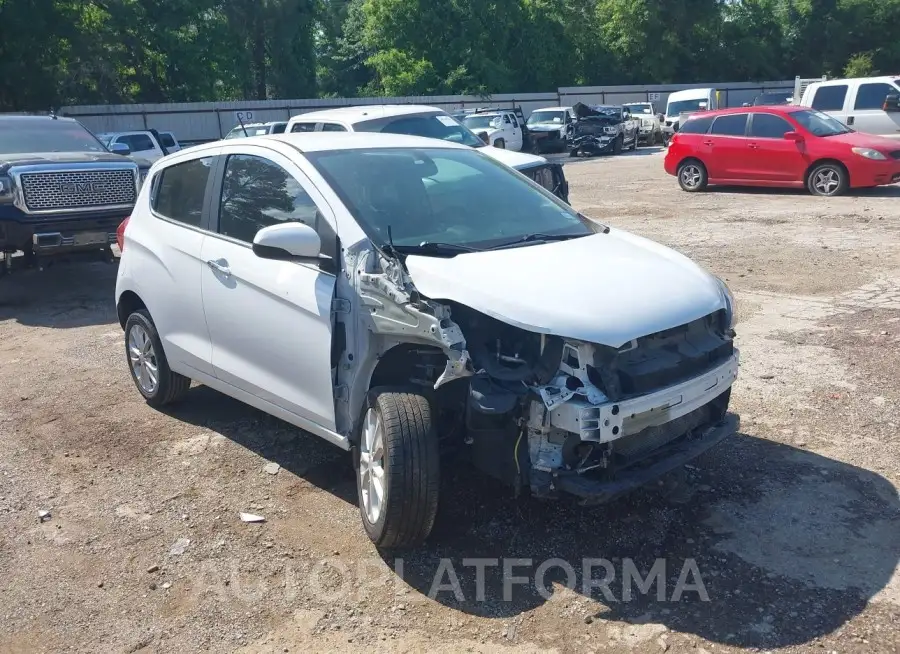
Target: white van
pixel 687 101
pixel 866 104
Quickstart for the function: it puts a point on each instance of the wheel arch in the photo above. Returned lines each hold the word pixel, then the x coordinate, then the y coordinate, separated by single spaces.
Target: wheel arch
pixel 826 160
pixel 128 303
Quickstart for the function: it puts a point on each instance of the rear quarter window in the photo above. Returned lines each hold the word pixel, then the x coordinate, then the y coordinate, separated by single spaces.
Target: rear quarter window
pixel 180 189
pixel 696 125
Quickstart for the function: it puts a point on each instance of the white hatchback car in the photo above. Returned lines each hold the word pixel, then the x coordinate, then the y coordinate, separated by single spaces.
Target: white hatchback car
pixel 401 296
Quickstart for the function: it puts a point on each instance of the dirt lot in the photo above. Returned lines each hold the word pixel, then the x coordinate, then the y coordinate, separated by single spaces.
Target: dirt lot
pixel 793 525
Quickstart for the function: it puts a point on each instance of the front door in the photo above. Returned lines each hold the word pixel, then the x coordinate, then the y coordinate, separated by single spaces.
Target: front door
pixel 269 321
pixel 769 156
pixel 515 132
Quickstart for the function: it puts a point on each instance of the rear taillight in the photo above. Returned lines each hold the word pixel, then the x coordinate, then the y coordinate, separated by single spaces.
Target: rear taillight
pixel 120 234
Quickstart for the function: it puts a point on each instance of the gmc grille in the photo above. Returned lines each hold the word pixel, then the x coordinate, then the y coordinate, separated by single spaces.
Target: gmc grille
pixel 46 191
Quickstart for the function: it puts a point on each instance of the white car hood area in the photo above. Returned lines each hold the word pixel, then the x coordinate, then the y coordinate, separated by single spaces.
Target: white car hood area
pixel 604 288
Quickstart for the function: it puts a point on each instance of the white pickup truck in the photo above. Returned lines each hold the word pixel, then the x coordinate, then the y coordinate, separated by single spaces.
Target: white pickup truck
pixel 143 144
pixel 866 104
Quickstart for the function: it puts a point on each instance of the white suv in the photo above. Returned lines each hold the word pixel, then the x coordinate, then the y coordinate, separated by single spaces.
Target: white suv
pixel 400 297
pixel 431 122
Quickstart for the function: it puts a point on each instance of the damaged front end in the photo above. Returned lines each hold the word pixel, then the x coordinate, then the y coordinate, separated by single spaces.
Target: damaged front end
pixel 545 413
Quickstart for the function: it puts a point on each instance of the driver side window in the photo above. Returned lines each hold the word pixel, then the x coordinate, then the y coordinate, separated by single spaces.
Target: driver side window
pixel 258 193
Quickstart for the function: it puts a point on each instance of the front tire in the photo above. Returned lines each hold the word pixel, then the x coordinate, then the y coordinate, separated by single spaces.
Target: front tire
pixel 148 364
pixel 692 176
pixel 500 143
pixel 397 468
pixel 634 143
pixel 828 180
pixel 619 145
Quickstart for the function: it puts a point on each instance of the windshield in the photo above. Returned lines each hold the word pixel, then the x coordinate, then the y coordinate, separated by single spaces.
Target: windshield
pixel 820 124
pixel 639 108
pixel 678 106
pixel 452 196
pixel 37 135
pixel 436 126
pixel 481 122
pixel 546 117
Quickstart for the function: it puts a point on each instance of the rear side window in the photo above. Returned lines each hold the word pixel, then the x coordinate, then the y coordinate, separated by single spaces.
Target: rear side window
pixel 180 190
pixel 830 98
pixel 696 125
pixel 278 128
pixel 734 125
pixel 333 127
pixel 872 95
pixel 769 126
pixel 167 140
pixel 303 127
pixel 257 193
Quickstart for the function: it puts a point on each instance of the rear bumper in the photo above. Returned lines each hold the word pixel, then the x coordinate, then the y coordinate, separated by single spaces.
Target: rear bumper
pixel 676 454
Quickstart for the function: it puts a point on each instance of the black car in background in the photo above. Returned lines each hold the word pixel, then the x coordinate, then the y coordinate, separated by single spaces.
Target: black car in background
pixel 62 193
pixel 601 129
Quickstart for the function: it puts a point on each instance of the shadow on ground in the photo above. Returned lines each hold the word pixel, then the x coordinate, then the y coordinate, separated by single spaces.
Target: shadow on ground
pixel 62 296
pixel 773 546
pixel 891 191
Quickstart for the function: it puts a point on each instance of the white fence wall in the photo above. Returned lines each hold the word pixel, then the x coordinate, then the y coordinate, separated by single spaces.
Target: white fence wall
pixel 204 121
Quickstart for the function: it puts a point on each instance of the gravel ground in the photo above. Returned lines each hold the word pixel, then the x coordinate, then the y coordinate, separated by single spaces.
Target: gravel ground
pixel 788 533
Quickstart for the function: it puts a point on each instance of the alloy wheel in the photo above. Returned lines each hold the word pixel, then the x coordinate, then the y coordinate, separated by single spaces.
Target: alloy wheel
pixel 143 361
pixel 371 466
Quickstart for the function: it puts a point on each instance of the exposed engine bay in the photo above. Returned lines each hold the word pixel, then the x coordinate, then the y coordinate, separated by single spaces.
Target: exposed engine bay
pixel 537 411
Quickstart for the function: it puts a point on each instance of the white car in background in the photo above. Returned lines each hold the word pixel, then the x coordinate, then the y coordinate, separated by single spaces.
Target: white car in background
pixel 142 144
pixel 430 122
pixel 650 127
pixel 868 104
pixel 548 128
pixel 402 297
pixel 501 128
pixel 257 129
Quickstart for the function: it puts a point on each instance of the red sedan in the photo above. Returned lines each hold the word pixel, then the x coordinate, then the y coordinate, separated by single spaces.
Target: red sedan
pixel 780 146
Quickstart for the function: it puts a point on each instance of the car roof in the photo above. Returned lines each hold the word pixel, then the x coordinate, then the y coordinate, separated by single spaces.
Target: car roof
pixel 551 109
pixel 34 119
pixel 691 94
pixel 756 109
pixel 360 113
pixel 322 141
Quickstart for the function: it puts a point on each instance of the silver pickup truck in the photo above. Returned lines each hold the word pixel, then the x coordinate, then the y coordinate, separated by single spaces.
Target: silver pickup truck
pixel 62 193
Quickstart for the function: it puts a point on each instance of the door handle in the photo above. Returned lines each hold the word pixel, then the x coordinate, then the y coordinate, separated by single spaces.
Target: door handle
pixel 707 142
pixel 220 268
pixel 753 146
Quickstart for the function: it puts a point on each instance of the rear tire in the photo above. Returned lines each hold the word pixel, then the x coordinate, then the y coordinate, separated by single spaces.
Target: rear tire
pixel 500 143
pixel 397 468
pixel 692 176
pixel 148 364
pixel 828 180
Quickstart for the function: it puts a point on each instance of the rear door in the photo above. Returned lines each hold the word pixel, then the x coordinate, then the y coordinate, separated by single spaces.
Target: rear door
pixel 726 146
pixel 769 156
pixel 867 113
pixel 165 257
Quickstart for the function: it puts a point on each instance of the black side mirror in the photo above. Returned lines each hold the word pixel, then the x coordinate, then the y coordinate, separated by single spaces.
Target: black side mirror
pixel 484 137
pixel 892 103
